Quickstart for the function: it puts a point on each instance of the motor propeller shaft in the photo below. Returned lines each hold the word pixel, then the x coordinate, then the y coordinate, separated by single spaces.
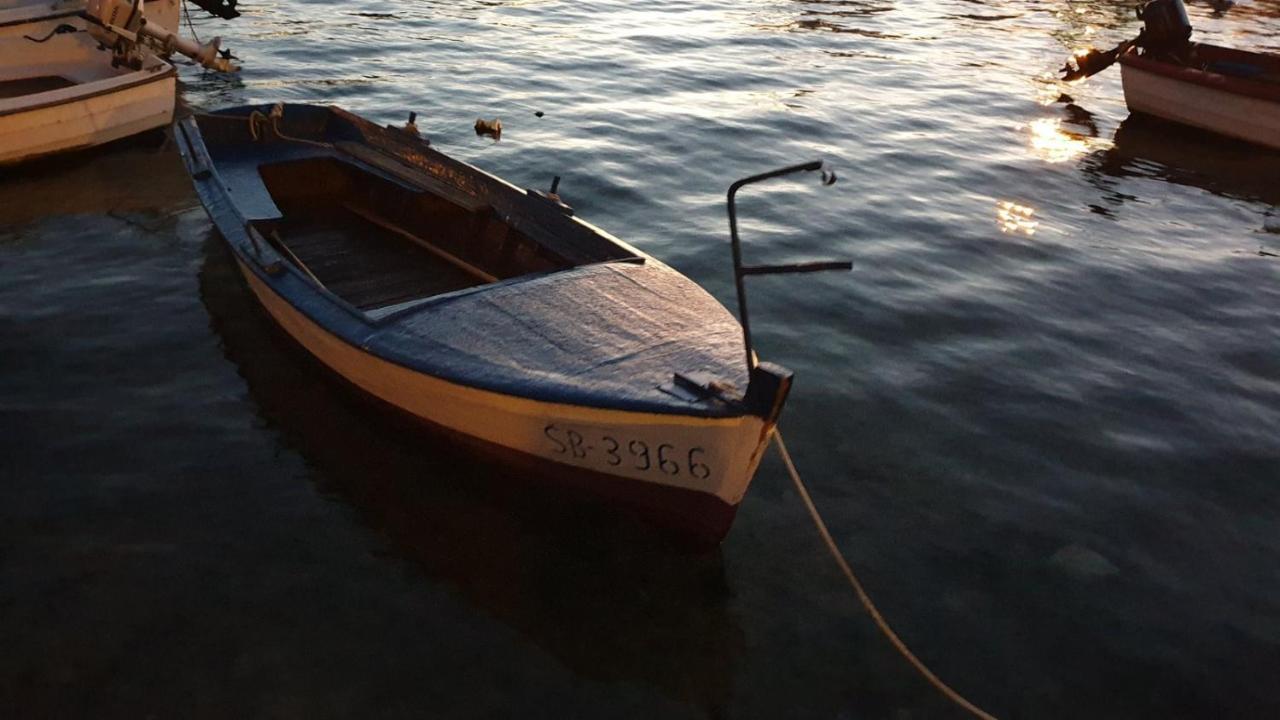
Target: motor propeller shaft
pixel 121 25
pixel 208 54
pixel 1165 30
pixel 1092 61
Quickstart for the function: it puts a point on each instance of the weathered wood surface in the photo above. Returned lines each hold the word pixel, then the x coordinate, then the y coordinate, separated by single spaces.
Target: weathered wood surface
pixel 368 266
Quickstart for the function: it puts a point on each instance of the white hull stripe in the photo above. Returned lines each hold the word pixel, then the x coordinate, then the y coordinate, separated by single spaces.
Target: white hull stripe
pixel 1238 116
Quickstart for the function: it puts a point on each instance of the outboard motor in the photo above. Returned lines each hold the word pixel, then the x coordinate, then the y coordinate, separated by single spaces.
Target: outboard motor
pixel 1167 32
pixel 121 25
pixel 1166 27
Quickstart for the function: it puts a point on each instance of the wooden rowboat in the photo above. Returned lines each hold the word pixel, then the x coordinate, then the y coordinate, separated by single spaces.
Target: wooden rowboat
pixel 1230 92
pixel 59 91
pixel 488 312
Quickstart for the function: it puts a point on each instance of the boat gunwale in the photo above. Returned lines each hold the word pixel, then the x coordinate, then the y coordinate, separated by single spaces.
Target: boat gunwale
pixel 229 220
pixel 515 191
pixel 106 86
pixel 1205 78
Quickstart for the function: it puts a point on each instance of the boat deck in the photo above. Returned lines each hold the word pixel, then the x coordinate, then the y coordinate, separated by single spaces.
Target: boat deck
pixel 366 263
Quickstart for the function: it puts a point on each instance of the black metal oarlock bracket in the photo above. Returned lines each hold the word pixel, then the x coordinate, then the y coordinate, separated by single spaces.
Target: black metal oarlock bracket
pixel 740 271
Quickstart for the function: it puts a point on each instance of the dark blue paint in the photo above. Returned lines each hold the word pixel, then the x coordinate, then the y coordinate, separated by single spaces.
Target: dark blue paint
pixel 604 335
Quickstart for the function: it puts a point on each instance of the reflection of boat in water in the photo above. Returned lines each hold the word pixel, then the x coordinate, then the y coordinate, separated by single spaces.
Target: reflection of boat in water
pixel 89 182
pixel 1149 147
pixel 489 313
pixel 605 595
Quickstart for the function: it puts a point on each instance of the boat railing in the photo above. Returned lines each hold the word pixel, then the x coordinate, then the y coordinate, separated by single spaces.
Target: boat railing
pixel 740 271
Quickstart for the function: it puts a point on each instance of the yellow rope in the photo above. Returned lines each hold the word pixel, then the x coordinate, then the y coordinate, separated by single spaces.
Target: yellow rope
pixel 257 118
pixel 880 622
pixel 254 118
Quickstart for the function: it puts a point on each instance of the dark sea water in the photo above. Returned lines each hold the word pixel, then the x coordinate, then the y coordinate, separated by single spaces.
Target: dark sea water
pixel 1042 414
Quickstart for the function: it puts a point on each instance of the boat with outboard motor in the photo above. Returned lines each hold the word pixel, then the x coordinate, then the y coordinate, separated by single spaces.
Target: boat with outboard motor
pixel 71 78
pixel 489 312
pixel 1230 92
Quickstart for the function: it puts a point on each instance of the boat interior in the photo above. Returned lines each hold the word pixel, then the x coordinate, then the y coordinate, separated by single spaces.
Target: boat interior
pixel 374 243
pixel 32 85
pixel 1257 67
pixel 1231 62
pixel 384 234
pixel 29 69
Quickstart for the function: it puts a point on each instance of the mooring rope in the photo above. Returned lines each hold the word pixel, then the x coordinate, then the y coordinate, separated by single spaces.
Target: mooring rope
pixel 190 25
pixel 257 118
pixel 871 609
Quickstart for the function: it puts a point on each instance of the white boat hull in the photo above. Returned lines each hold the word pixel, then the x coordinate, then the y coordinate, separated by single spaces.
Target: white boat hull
pixel 87 122
pixel 63 94
pixel 691 471
pixel 1245 118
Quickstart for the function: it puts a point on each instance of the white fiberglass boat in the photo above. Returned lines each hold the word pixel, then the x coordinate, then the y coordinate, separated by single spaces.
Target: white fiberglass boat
pixel 1227 91
pixel 69 80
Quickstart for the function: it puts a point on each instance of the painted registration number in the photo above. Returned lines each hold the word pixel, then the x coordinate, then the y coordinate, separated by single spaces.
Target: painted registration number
pixel 592 447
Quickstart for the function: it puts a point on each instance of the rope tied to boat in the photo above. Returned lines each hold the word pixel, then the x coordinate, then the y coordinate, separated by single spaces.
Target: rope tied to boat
pixel 186 13
pixel 876 617
pixel 258 118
